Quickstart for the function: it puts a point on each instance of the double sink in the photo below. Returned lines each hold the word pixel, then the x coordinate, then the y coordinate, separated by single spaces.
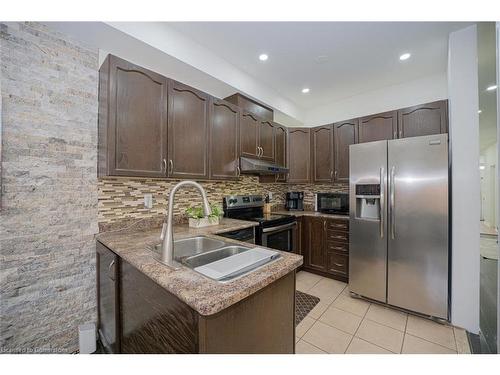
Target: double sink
pixel 218 259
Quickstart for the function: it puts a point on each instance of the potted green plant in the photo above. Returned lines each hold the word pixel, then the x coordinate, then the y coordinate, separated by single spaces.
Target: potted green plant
pixel 197 219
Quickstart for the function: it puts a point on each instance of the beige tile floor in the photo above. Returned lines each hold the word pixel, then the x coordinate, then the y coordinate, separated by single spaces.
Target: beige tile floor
pixel 342 324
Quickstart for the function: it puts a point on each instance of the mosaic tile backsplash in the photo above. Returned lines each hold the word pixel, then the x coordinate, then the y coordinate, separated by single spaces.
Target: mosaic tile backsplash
pixel 122 198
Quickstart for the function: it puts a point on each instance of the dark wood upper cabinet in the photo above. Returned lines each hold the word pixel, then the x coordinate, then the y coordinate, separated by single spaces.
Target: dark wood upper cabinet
pixel 188 132
pixel 251 105
pixel 322 153
pixel 132 120
pixel 280 140
pixel 249 135
pixel 224 140
pixel 382 126
pixel 299 155
pixel 424 119
pixel 345 133
pixel 266 140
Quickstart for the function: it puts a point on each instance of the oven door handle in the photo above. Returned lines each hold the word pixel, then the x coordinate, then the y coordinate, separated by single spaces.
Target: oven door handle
pixel 280 227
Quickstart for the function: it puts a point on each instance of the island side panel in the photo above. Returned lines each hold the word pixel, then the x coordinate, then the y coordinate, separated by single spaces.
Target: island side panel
pixel 152 319
pixel 263 323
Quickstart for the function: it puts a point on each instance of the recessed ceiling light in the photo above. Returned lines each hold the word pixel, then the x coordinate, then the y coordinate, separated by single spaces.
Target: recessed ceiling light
pixel 305 90
pixel 479 111
pixel 404 56
pixel 263 57
pixel 491 88
pixel 482 167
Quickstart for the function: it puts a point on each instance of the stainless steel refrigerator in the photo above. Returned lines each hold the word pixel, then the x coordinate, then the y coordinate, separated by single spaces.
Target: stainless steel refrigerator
pixel 398 241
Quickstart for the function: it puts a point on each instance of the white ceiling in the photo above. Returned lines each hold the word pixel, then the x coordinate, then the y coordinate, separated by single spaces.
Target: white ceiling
pixel 356 57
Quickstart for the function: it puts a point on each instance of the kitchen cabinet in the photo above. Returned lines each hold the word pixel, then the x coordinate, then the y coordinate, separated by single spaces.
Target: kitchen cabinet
pixel 382 126
pixel 132 120
pixel 325 246
pixel 224 140
pixel 107 264
pixel 299 144
pixel 424 119
pixel 281 147
pixel 249 135
pixel 147 318
pixel 188 132
pixel 345 133
pixel 322 153
pixel 280 141
pixel 266 140
pixel 251 105
pixel 315 256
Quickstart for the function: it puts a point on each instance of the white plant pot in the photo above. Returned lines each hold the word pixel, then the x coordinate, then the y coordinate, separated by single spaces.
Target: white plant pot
pixel 204 222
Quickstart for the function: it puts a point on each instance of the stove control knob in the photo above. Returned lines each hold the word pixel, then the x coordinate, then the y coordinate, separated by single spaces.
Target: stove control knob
pixel 233 201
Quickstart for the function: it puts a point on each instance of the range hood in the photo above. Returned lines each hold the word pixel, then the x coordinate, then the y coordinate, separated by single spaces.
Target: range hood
pixel 256 166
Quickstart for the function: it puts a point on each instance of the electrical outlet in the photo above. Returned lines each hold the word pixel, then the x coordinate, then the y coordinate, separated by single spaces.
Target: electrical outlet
pixel 270 195
pixel 148 201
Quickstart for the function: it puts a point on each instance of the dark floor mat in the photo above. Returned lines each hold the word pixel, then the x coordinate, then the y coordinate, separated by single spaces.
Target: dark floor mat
pixel 303 304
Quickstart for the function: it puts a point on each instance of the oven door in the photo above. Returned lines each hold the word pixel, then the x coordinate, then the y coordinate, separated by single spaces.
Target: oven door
pixel 280 237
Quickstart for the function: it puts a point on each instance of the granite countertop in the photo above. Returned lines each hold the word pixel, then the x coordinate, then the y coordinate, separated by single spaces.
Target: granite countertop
pixel 312 213
pixel 202 294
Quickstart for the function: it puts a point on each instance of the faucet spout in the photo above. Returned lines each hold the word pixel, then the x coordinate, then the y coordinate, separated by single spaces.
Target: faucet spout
pixel 167 254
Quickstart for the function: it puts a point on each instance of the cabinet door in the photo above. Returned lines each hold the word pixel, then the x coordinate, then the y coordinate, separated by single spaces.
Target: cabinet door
pixel 132 120
pixel 424 119
pixel 299 155
pixel 322 153
pixel 315 239
pixel 280 140
pixel 345 134
pixel 382 126
pixel 224 135
pixel 266 141
pixel 107 298
pixel 187 132
pixel 249 135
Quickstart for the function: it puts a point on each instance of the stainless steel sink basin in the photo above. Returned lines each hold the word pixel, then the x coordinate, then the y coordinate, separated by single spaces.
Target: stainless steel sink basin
pixel 191 246
pixel 212 256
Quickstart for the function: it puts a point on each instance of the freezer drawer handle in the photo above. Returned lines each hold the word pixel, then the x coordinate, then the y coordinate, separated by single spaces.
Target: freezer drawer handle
pixel 382 201
pixel 392 206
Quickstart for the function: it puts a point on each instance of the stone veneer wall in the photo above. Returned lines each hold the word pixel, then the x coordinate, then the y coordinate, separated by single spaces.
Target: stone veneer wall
pixel 48 220
pixel 123 198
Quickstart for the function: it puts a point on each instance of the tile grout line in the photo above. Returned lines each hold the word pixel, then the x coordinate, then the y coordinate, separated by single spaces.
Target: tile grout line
pixel 404 334
pixel 357 329
pixel 432 342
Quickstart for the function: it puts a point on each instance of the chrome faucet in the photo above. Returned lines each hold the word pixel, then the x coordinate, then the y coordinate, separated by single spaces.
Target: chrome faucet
pixel 167 248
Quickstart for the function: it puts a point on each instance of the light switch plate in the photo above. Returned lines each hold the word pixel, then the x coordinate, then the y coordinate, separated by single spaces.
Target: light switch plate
pixel 148 201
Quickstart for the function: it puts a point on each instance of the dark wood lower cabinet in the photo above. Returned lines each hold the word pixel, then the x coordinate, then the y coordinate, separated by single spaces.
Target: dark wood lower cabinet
pixel 325 247
pixel 107 266
pixel 149 319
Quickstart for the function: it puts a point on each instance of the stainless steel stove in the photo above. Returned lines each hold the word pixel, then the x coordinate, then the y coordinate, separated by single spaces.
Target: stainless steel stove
pixel 274 231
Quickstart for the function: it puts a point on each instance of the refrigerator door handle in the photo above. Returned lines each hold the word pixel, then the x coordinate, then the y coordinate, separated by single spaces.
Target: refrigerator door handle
pixel 382 201
pixel 391 203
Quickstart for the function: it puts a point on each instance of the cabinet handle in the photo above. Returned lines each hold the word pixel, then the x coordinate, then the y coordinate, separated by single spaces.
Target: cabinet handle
pixel 324 225
pixel 331 174
pixel 238 171
pixel 170 166
pixel 339 264
pixel 401 133
pixel 111 276
pixel 261 152
pixel 164 165
pixel 335 175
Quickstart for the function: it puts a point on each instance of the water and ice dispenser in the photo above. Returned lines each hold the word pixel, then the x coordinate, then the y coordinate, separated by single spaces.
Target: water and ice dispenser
pixel 368 201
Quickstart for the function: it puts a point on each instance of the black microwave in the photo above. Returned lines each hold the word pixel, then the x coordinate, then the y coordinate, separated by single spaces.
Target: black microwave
pixel 332 203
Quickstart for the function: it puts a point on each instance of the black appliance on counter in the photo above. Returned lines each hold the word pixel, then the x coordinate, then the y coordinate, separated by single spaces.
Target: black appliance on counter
pixel 274 231
pixel 332 203
pixel 294 201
